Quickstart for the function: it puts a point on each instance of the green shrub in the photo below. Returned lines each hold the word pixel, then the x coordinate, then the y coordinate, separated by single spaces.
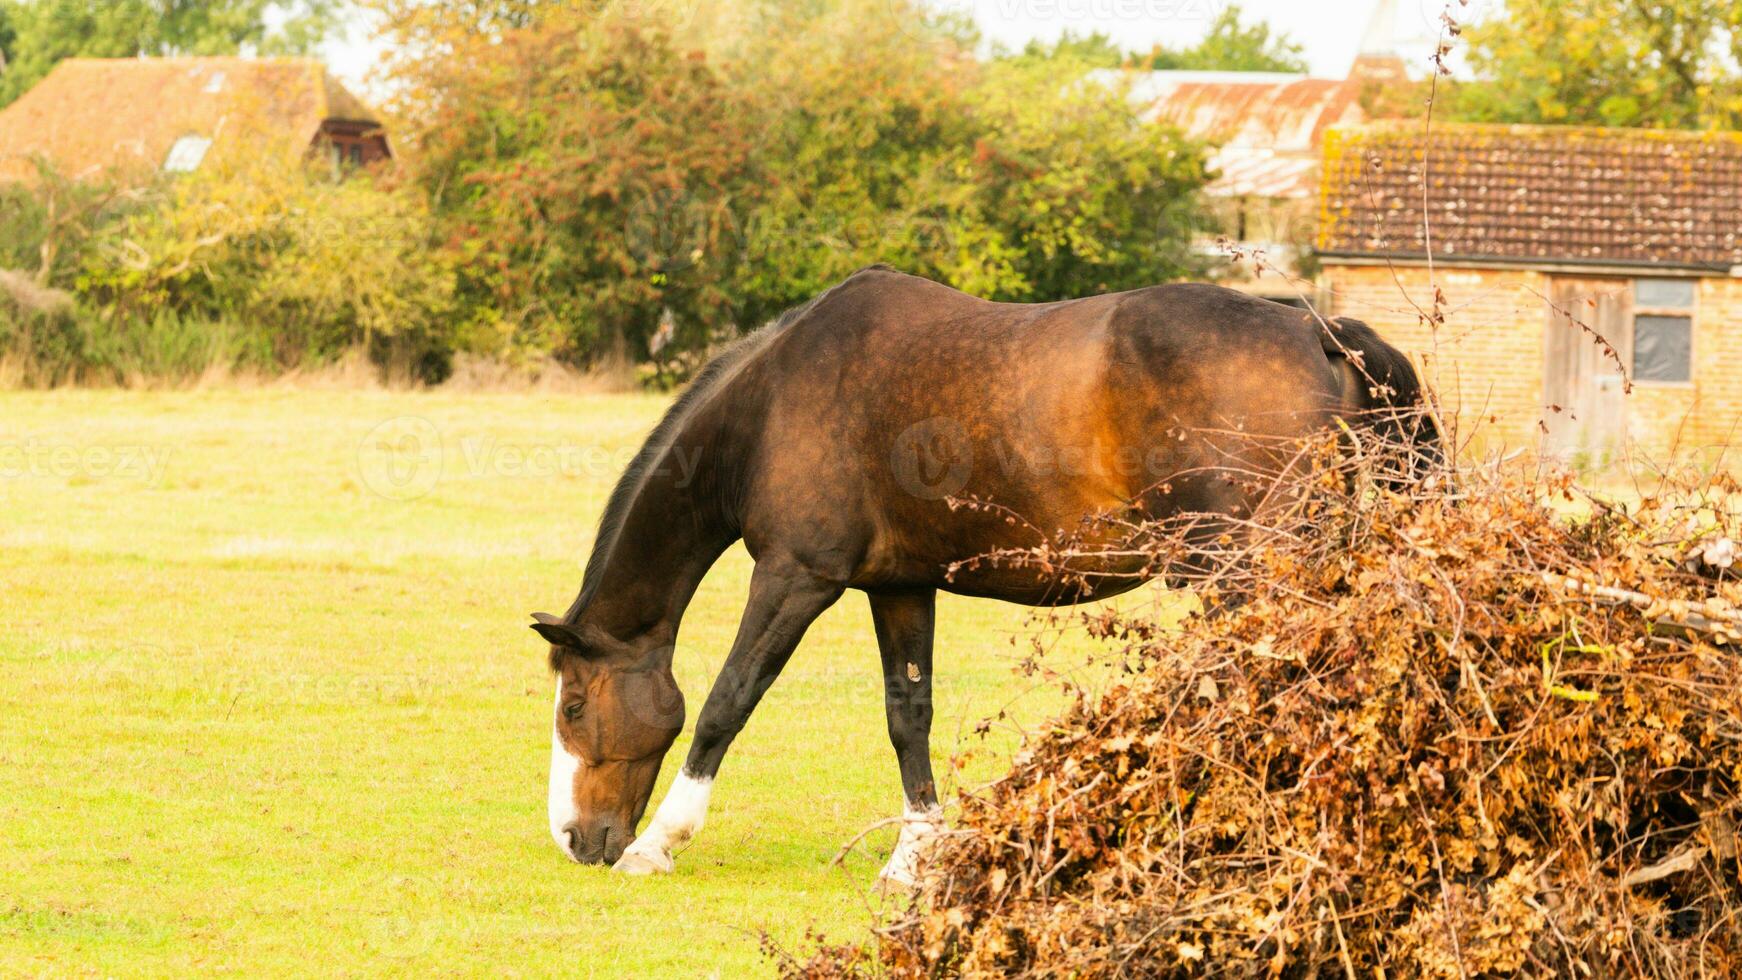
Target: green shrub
pixel 167 345
pixel 22 222
pixel 282 264
pixel 46 223
pixel 42 341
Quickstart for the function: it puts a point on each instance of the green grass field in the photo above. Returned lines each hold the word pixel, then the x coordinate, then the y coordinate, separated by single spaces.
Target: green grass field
pixel 270 705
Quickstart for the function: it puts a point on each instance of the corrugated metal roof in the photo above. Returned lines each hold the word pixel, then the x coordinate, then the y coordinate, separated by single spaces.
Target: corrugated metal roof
pixel 1251 172
pixel 125 114
pixel 1267 126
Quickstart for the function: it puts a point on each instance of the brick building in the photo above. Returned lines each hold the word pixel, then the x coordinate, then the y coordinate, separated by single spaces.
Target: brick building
pixel 1591 278
pixel 1266 130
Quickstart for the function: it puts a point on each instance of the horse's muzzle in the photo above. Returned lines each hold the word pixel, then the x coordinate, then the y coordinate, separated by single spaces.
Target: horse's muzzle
pixel 595 842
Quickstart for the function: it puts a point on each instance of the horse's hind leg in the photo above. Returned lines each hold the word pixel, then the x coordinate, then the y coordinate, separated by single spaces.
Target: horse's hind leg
pixel 905 625
pixel 784 600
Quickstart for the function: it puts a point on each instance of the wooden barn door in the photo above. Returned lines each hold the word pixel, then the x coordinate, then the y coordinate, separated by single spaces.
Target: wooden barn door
pixel 1584 406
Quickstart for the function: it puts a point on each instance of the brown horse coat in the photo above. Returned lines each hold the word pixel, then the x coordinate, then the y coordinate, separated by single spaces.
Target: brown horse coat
pixel 839 445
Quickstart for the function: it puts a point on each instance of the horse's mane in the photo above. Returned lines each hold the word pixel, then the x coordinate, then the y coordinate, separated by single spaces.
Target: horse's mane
pixel 706 381
pixel 1392 398
pixel 1391 379
pixel 658 441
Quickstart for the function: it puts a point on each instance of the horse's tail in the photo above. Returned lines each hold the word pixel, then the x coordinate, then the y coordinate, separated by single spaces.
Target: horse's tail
pixel 1381 392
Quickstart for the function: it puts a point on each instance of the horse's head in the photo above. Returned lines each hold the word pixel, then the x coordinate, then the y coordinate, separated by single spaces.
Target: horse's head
pixel 617 712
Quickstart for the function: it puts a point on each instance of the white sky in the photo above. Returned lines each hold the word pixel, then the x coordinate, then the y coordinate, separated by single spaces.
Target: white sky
pixel 1330 30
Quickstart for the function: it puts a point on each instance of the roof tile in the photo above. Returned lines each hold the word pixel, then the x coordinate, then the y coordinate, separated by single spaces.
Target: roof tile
pixel 1535 194
pixel 124 114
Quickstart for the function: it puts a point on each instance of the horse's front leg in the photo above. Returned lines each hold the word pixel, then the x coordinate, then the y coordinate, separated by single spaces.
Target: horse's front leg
pixel 784 600
pixel 905 624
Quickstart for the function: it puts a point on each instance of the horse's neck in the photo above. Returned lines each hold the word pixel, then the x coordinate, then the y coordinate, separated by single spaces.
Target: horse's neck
pixel 673 529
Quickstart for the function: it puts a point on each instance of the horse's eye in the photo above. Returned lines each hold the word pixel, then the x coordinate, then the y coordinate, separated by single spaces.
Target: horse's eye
pixel 572 713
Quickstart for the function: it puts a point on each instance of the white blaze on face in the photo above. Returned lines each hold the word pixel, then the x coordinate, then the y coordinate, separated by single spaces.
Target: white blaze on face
pixel 563 766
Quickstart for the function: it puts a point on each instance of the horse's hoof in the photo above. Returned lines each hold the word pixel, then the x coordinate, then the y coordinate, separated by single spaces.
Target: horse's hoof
pixel 632 863
pixel 895 885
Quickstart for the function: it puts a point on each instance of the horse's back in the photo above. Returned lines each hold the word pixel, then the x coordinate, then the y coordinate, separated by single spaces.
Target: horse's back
pixel 1212 357
pixel 901 348
pixel 891 395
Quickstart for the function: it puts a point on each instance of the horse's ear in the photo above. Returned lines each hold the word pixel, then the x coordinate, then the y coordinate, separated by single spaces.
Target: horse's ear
pixel 558 632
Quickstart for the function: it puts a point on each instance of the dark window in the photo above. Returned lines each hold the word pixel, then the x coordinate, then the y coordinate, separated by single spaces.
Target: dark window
pixel 357 154
pixel 1662 347
pixel 1663 329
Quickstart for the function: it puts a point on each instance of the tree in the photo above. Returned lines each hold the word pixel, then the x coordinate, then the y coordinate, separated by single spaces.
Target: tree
pixel 1229 45
pixel 1071 192
pixel 1095 50
pixel 43 32
pixel 420 29
pixel 602 181
pixel 856 125
pixel 1665 64
pixel 586 173
pixel 45 221
pixel 1232 45
pixel 8 37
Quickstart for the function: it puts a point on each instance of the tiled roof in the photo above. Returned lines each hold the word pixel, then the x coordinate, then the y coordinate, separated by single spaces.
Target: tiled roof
pixel 1543 194
pixel 124 114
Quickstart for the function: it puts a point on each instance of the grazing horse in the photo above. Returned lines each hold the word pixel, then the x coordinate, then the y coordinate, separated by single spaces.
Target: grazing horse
pixel 836 444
